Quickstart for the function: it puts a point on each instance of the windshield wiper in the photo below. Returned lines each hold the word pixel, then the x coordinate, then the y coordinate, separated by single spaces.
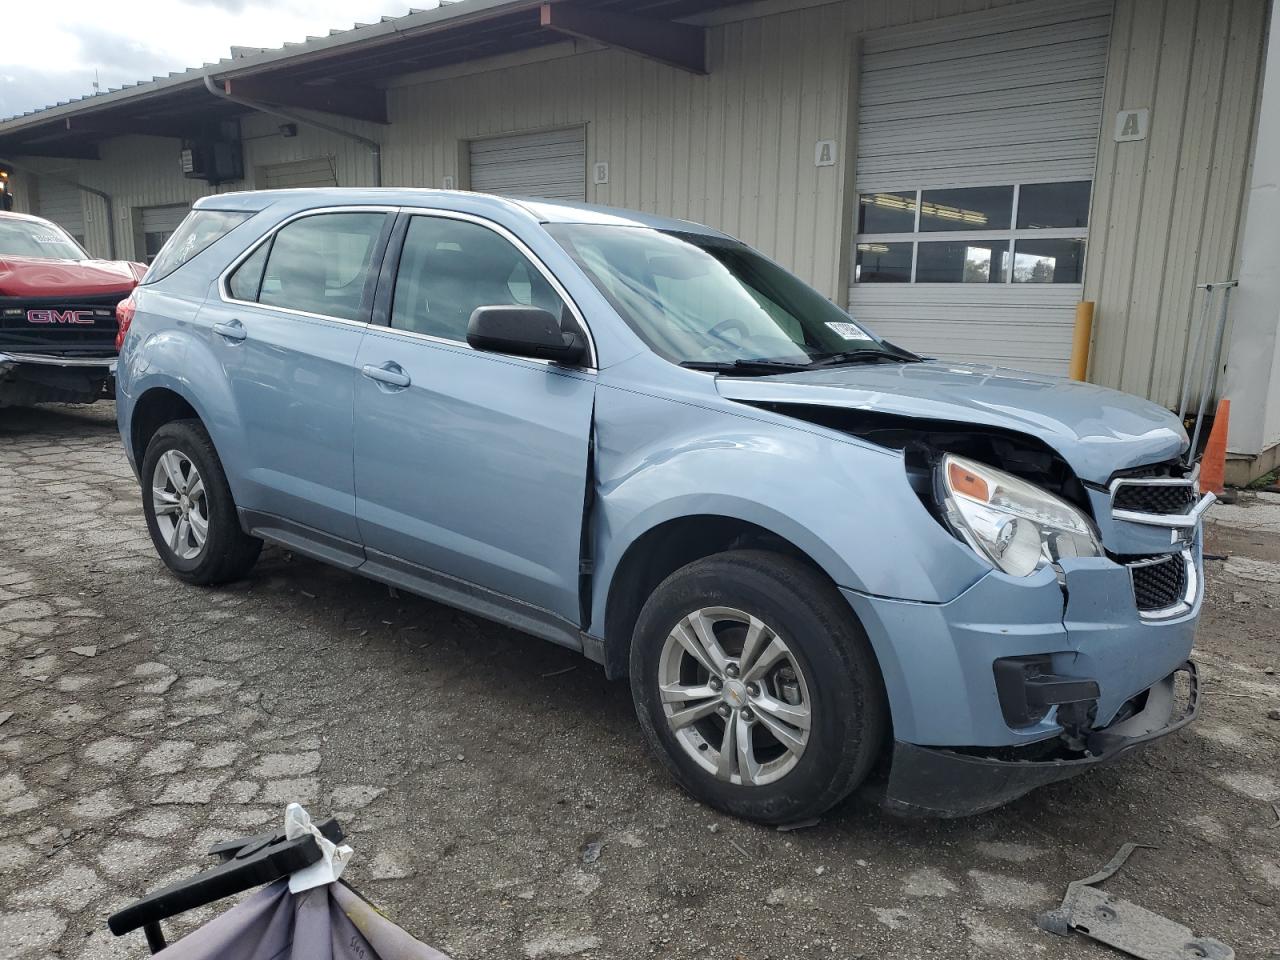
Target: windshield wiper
pixel 762 366
pixel 887 355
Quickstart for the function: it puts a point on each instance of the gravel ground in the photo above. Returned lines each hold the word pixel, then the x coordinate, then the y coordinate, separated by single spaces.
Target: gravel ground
pixel 471 765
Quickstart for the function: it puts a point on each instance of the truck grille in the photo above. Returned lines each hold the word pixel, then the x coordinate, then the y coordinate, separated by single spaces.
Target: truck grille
pixel 64 325
pixel 1159 582
pixel 1161 498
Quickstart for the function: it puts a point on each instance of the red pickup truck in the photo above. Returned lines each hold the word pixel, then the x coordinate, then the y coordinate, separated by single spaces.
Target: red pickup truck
pixel 57 315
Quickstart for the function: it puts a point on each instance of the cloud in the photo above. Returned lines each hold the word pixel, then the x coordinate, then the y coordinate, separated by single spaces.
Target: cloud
pixel 87 52
pixel 53 56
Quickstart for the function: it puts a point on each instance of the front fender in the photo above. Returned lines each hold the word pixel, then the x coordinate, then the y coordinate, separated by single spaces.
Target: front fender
pixel 843 502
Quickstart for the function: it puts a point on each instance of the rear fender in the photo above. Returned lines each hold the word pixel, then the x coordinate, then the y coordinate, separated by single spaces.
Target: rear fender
pixel 174 358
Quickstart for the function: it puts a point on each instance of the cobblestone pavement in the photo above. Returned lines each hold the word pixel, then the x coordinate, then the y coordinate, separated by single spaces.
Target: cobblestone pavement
pixel 141 719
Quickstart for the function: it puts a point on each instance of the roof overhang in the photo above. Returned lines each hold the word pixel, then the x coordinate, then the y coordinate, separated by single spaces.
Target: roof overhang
pixel 346 72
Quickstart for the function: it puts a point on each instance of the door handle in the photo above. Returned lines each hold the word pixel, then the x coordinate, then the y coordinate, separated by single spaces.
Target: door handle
pixel 389 373
pixel 233 330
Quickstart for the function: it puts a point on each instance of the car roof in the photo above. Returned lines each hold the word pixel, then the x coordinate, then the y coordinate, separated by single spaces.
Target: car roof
pixel 14 215
pixel 545 211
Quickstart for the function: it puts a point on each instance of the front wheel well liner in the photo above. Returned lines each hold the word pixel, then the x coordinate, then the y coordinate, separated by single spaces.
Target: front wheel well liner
pixel 660 552
pixel 152 411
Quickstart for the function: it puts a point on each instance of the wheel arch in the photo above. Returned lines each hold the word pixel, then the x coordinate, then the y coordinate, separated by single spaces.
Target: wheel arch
pixel 158 405
pixel 671 543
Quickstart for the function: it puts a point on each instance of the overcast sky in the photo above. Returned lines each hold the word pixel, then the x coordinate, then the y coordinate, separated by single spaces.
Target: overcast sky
pixel 51 53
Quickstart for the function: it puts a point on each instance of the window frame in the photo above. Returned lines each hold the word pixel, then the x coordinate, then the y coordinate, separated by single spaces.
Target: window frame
pixel 371 282
pixel 390 275
pixel 1011 235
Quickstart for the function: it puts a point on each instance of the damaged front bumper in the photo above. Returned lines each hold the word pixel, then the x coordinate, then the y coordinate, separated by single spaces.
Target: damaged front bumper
pixel 27 378
pixel 1022 681
pixel 941 782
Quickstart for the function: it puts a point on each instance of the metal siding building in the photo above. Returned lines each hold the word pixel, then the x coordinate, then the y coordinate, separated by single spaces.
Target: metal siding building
pixel 912 102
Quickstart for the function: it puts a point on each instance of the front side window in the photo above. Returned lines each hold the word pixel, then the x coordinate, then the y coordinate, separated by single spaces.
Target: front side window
pixel 37 239
pixel 320 264
pixel 450 267
pixel 697 299
pixel 1007 233
pixel 197 232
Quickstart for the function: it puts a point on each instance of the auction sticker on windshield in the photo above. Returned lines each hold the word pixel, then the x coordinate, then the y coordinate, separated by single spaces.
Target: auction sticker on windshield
pixel 849 331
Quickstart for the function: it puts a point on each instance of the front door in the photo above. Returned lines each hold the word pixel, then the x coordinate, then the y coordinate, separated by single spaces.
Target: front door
pixel 470 464
pixel 287 338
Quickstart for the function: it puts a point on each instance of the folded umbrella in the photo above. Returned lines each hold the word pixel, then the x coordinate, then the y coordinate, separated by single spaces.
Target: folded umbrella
pixel 329 922
pixel 305 912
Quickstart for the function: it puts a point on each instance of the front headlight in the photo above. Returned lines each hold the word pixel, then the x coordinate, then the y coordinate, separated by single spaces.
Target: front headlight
pixel 1014 524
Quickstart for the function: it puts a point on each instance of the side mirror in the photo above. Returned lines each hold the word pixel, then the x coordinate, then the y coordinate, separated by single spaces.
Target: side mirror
pixel 523 332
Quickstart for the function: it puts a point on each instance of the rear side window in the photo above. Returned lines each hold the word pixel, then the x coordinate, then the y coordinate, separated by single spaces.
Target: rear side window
pixel 196 233
pixel 320 264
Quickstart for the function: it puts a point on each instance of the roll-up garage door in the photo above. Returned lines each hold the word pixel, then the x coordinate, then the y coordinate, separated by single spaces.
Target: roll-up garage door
pixel 977 139
pixel 63 204
pixel 158 225
pixel 314 172
pixel 551 165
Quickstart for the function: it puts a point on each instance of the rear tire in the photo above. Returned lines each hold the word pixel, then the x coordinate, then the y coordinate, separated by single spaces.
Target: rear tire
pixel 788 667
pixel 190 513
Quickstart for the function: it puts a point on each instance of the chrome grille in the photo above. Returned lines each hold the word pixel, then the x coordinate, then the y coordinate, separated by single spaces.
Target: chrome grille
pixel 1159 582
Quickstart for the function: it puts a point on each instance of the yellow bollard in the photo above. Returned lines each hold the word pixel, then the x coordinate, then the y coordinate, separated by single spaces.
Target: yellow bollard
pixel 1079 368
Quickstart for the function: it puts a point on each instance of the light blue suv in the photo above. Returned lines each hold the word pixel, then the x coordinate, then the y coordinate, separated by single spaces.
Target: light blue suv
pixel 809 549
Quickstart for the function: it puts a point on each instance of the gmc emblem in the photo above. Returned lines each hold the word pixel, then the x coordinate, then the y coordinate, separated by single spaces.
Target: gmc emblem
pixel 60 316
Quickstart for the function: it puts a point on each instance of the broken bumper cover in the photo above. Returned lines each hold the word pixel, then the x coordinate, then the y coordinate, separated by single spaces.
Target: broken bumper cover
pixel 47 377
pixel 106 364
pixel 945 782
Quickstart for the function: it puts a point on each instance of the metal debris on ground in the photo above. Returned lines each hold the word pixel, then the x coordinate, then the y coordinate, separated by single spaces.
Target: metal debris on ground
pixel 562 670
pixel 1124 925
pixel 799 825
pixel 591 851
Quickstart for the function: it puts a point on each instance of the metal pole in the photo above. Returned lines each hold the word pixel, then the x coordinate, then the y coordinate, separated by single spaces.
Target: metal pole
pixel 1212 359
pixel 1196 344
pixel 100 194
pixel 155 936
pixel 374 146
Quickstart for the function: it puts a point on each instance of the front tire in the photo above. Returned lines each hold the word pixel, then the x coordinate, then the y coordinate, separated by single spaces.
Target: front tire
pixel 190 513
pixel 757 687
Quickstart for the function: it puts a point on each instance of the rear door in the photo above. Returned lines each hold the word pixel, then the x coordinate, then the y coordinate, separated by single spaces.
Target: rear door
pixel 470 464
pixel 286 329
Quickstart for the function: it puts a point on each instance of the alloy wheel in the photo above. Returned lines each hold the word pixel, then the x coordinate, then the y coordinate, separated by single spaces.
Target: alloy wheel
pixel 734 696
pixel 180 504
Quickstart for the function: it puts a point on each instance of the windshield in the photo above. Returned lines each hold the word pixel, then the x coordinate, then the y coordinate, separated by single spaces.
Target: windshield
pixel 36 238
pixel 708 301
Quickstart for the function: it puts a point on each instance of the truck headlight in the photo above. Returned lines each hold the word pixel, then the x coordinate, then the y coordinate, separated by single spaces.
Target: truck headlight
pixel 1015 525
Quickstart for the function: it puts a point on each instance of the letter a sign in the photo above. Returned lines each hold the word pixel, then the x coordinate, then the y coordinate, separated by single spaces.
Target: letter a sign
pixel 1132 125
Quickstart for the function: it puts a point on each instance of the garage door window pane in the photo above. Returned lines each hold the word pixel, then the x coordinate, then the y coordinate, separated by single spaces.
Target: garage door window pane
pixel 966 208
pixel 1049 205
pixel 962 261
pixel 887 212
pixel 883 263
pixel 1048 261
pixel 321 264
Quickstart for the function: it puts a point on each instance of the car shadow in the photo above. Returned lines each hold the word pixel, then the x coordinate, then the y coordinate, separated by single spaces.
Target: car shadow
pixel 79 419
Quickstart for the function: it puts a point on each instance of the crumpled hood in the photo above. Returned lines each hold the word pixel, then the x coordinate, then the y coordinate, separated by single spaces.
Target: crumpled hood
pixel 1096 430
pixel 34 277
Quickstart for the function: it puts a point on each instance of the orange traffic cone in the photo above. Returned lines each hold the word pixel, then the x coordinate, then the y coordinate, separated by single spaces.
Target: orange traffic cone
pixel 1213 465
